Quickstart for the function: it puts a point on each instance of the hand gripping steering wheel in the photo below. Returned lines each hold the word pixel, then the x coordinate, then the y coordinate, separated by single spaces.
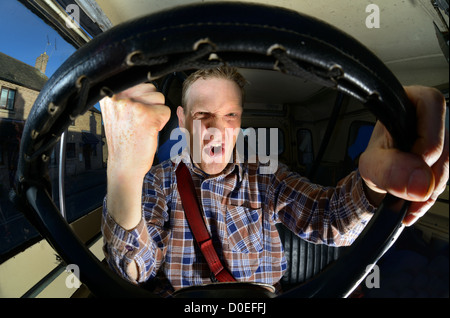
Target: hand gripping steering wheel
pixel 203 36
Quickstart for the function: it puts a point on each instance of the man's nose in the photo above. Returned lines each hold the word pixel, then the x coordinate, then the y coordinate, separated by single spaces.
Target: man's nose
pixel 218 126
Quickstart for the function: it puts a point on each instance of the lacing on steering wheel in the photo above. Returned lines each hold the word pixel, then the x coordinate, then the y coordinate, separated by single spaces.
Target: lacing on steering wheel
pixel 83 85
pixel 199 58
pixel 286 64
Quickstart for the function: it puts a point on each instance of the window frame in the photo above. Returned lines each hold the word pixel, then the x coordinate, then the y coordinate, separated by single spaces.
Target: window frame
pixel 9 90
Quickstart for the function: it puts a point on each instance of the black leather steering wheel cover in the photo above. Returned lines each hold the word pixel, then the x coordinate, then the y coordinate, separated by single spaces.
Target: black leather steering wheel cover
pixel 243 35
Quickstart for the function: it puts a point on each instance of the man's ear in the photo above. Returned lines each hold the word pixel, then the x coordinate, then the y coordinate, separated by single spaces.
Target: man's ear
pixel 181 117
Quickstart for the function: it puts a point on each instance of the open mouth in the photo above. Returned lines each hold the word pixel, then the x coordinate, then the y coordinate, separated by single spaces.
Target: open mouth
pixel 215 150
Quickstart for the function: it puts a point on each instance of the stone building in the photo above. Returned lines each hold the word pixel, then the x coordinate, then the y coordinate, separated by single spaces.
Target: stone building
pixel 84 145
pixel 20 85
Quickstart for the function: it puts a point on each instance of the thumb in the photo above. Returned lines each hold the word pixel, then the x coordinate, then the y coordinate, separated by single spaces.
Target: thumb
pixel 404 175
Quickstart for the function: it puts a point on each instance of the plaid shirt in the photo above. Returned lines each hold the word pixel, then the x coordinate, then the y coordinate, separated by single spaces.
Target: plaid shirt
pixel 241 208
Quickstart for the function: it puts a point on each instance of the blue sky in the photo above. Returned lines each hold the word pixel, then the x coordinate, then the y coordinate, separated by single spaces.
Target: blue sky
pixel 24 36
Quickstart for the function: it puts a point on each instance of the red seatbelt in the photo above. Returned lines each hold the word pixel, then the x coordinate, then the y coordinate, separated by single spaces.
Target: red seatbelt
pixel 195 220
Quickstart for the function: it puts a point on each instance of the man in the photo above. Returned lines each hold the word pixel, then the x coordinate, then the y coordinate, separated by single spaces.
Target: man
pixel 145 230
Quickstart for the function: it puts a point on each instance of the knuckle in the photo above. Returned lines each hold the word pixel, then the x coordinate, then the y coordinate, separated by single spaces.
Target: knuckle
pixel 160 98
pixel 150 86
pixel 436 98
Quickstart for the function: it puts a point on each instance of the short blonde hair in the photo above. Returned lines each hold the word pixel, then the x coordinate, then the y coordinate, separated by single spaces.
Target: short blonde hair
pixel 224 72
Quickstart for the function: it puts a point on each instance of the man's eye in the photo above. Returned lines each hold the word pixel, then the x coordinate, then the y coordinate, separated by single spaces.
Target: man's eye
pixel 201 114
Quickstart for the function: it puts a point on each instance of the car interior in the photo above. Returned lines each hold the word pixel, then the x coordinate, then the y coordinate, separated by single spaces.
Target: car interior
pixel 323 127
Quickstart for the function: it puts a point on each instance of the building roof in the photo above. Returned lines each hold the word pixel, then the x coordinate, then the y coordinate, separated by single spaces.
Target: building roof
pixel 20 73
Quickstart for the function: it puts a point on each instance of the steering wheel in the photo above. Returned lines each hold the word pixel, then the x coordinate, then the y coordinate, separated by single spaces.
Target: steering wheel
pixel 203 36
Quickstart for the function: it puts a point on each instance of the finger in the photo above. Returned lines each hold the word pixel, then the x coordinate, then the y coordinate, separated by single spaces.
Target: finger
pixel 132 93
pixel 430 111
pixel 441 172
pixel 160 115
pixel 106 110
pixel 102 104
pixel 150 98
pixel 441 167
pixel 136 91
pixel 416 211
pixel 403 175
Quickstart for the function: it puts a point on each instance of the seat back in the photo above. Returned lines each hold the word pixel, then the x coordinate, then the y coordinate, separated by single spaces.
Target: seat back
pixel 304 259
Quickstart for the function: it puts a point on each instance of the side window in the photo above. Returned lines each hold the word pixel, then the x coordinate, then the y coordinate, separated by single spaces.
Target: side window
pixel 358 139
pixel 305 147
pixel 23 45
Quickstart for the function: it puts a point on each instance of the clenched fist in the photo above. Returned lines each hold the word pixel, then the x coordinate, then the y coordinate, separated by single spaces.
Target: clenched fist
pixel 132 120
